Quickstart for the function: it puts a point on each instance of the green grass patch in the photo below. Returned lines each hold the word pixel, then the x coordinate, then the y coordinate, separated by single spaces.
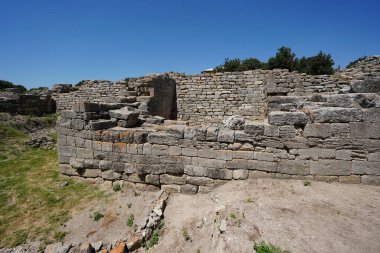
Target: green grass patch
pixel 97 216
pixel 264 247
pixel 131 220
pixel 116 187
pixel 306 183
pixel 32 204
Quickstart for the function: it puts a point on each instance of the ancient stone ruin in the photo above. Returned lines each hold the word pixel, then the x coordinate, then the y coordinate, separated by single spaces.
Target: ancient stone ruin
pixel 189 133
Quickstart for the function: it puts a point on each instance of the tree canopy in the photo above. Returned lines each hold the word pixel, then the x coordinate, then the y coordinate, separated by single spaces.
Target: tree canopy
pixel 319 64
pixel 6 84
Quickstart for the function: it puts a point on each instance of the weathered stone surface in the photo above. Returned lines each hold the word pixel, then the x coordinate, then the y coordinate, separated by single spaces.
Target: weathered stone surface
pixel 189 189
pixel 252 165
pixel 235 122
pixel 169 179
pixel 317 130
pixel 366 86
pixel 294 167
pixel 364 167
pixel 254 128
pixel 330 168
pixel 226 136
pixel 371 180
pixel 360 130
pixel 287 118
pixel 337 115
pixel 240 174
pixel 102 124
pixel 86 247
pixel 350 179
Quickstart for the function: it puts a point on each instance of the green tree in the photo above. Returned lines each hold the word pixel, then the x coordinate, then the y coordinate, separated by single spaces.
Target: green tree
pixel 230 65
pixel 284 59
pixel 250 64
pixel 351 64
pixel 320 64
pixel 6 84
pixel 80 83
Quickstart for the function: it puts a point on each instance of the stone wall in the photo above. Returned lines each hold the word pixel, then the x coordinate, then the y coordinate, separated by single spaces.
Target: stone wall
pixel 27 104
pixel 296 126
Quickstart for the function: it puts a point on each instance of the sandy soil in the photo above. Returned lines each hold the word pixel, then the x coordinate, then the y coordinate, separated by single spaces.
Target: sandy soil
pixel 321 217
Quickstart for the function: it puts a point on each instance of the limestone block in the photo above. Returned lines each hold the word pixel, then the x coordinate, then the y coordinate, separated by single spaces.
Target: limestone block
pixel 205 181
pixel 310 153
pixel 110 175
pixel 365 167
pixel 294 167
pixel 135 178
pixel 119 147
pixel 201 134
pixel 249 155
pixel 374 157
pixel 264 156
pixel 206 162
pixel 272 131
pixel 171 188
pixel 105 165
pixel 317 130
pixel 189 152
pixel 161 138
pixel 371 115
pixel 257 174
pixel 326 153
pixel 152 179
pixel 170 179
pixel 175 151
pixel 160 149
pixel 330 168
pixel 66 169
pixel 360 130
pixel 340 130
pixel 189 189
pixel 337 115
pixel 350 179
pixel 77 163
pixel 252 165
pixel 128 115
pixel 174 168
pixel 287 132
pixel 118 166
pixel 375 131
pixel 67 151
pixel 176 131
pixel 343 155
pixel 225 135
pixel 254 128
pixel 107 146
pixel 91 173
pixel 86 107
pixel 78 124
pixel 68 114
pixel 138 137
pixel 287 118
pixel 102 124
pixel 240 174
pixel 190 133
pixel 371 180
pixel 212 134
pixel 327 179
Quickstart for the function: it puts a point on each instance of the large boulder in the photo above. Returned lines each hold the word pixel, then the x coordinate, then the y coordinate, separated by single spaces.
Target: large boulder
pixel 235 122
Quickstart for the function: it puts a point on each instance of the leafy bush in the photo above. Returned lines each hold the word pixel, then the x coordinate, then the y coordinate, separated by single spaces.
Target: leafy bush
pixel 97 216
pixel 351 64
pixel 320 64
pixel 116 187
pixel 6 84
pixel 80 83
pixel 131 220
pixel 284 59
pixel 263 247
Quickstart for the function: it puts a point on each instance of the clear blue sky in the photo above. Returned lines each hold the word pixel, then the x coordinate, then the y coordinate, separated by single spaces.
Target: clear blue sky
pixel 44 42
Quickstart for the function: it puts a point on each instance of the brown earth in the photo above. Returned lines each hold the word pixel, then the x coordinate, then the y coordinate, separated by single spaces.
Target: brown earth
pixel 321 217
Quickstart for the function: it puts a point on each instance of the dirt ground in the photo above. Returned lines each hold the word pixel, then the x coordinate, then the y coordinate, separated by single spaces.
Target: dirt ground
pixel 321 217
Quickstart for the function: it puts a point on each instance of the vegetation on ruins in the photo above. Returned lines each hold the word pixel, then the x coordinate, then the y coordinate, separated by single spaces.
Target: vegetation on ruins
pixel 6 84
pixel 33 204
pixel 351 64
pixel 264 247
pixel 318 64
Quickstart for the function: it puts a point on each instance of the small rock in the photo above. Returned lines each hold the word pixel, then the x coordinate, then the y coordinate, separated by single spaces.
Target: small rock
pixel 235 122
pixel 223 226
pixel 97 246
pixel 133 241
pixel 63 184
pixel 86 248
pixel 120 248
pixel 158 211
pixel 218 209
